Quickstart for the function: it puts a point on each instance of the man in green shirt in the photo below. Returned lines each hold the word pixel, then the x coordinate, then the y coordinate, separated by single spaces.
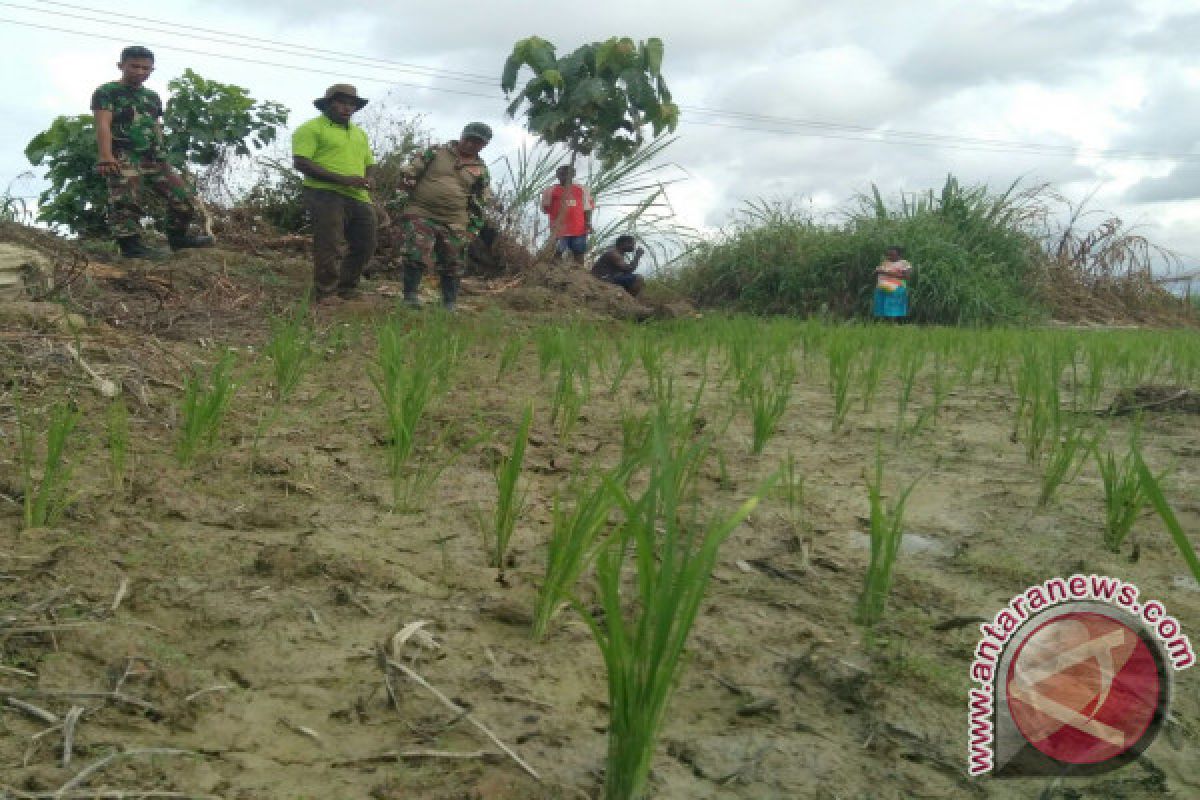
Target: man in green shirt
pixel 131 157
pixel 333 155
pixel 439 210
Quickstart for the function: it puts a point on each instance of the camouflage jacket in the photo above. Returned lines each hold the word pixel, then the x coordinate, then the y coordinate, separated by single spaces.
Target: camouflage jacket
pixel 135 115
pixel 477 193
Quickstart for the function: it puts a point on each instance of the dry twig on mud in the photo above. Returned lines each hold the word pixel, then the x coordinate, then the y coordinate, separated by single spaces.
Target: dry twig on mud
pixel 116 697
pixel 394 756
pixel 87 772
pixel 15 671
pixel 69 723
pixel 108 794
pixel 122 590
pixel 37 713
pixel 457 709
pixel 201 692
pixel 300 729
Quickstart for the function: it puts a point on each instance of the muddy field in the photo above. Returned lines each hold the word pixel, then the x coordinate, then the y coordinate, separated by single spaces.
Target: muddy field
pixel 227 617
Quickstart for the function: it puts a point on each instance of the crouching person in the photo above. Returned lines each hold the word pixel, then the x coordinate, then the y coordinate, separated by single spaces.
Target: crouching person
pixel 616 266
pixel 131 155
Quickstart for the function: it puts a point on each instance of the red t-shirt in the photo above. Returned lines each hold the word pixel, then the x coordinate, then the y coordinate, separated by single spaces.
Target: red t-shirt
pixel 574 223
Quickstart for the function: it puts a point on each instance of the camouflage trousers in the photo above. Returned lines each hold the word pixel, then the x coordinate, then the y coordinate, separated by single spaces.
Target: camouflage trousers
pixel 428 244
pixel 125 209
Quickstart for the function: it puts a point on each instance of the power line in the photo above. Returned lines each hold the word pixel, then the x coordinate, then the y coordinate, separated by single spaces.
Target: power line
pixel 305 49
pixel 795 126
pixel 370 78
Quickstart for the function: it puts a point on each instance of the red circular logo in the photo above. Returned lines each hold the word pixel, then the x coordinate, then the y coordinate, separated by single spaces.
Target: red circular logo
pixel 1084 688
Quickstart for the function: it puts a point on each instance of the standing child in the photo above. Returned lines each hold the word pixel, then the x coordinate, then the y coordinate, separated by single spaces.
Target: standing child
pixel 132 157
pixel 891 286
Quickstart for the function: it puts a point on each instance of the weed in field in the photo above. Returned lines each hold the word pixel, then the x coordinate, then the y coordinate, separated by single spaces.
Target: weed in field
pixel 886 532
pixel 205 403
pixel 46 488
pixel 510 502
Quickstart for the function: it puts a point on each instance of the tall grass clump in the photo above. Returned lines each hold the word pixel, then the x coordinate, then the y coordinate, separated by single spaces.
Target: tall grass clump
pixel 642 638
pixel 117 438
pixel 886 532
pixel 205 403
pixel 510 501
pixel 976 252
pixel 46 485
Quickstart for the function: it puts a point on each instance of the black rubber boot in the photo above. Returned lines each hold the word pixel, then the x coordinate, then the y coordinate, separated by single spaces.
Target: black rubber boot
pixel 412 286
pixel 182 241
pixel 449 292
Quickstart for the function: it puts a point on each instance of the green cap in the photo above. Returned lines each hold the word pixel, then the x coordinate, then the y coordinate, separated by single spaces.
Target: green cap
pixel 477 130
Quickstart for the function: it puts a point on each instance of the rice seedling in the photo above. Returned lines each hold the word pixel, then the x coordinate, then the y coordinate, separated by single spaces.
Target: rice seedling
pixel 841 367
pixel 291 352
pixel 886 532
pixel 643 647
pixel 117 437
pixel 872 373
pixel 912 359
pixel 510 503
pixel 627 352
pixel 1124 495
pixel 767 397
pixel 940 391
pixel 45 489
pixel 1153 490
pixel 573 544
pixel 792 487
pixel 1064 461
pixel 405 380
pixel 508 357
pixel 205 403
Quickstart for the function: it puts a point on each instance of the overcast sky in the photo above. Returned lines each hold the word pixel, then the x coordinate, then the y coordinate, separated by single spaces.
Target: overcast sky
pixel 1091 75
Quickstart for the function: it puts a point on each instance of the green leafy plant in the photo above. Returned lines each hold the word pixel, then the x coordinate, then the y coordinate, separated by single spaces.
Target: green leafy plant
pixel 404 377
pixel 510 502
pixel 205 403
pixel 1124 495
pixel 886 532
pixel 46 488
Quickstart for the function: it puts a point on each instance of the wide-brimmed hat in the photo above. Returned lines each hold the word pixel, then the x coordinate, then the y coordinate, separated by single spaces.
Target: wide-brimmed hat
pixel 344 89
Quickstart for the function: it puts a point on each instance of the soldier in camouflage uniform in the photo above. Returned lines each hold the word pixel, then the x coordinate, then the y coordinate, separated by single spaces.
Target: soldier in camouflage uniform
pixel 131 156
pixel 439 210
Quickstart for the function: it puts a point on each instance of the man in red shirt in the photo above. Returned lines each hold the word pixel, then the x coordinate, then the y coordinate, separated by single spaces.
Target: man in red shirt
pixel 570 225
